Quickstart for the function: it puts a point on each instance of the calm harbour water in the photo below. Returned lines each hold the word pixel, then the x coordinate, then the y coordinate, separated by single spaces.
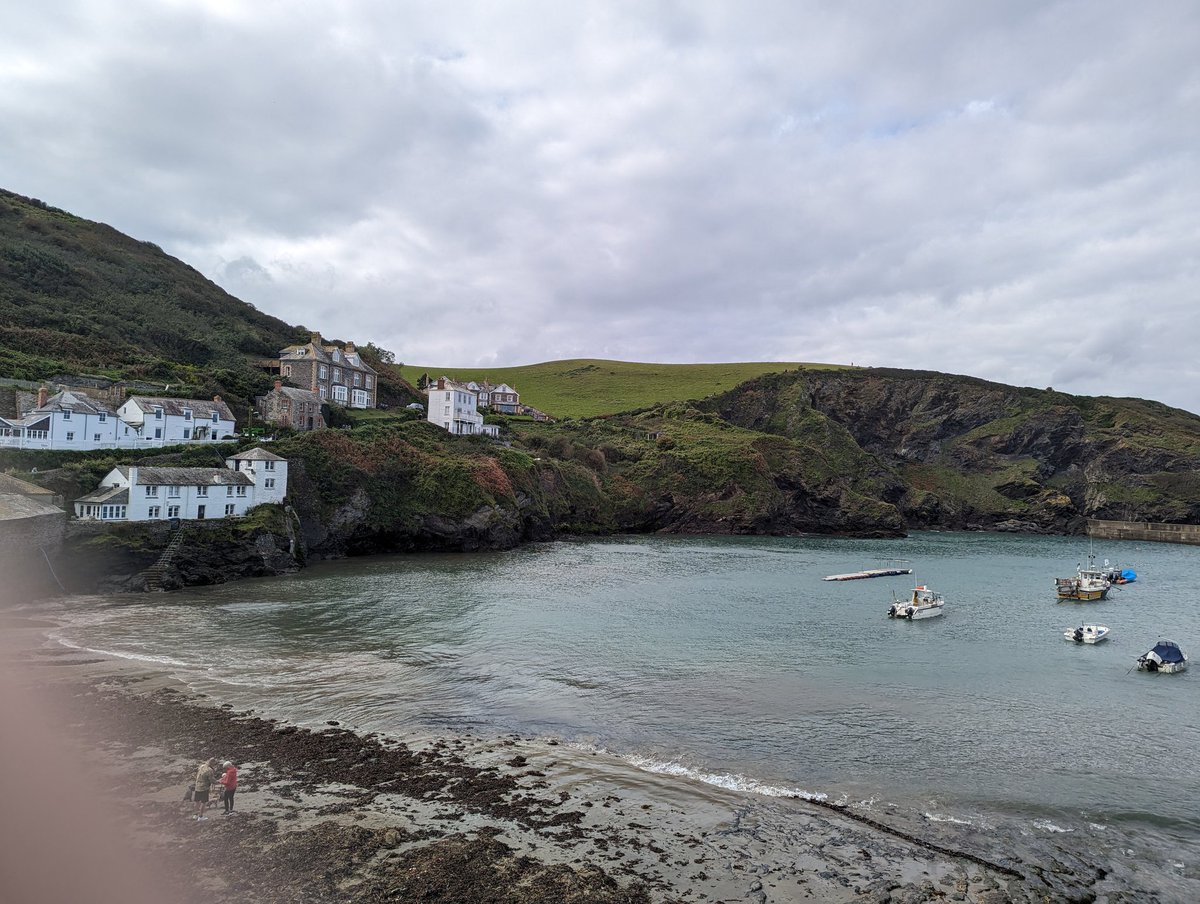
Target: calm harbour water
pixel 729 660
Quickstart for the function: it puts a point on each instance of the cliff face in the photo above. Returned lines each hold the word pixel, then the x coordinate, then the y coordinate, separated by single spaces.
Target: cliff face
pixel 105 558
pixel 863 453
pixel 975 454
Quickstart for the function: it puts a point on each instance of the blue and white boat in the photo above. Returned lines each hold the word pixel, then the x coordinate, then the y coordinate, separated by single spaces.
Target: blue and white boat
pixel 1087 633
pixel 1164 656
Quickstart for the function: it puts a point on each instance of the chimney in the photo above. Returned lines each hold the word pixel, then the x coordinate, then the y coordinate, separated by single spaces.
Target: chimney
pixel 43 394
pixel 278 384
pixel 350 348
pixel 315 338
pixel 216 398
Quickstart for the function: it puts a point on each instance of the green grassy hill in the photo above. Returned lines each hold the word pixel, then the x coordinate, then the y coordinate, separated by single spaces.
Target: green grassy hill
pixel 81 297
pixel 587 387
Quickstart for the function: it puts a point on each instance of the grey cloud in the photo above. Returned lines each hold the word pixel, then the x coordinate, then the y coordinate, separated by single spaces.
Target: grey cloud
pixel 981 184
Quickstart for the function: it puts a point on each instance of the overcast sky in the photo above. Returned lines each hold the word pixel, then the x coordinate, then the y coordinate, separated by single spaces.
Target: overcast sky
pixel 1005 189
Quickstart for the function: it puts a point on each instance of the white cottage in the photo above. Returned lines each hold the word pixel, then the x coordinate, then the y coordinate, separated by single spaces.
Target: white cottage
pixel 160 421
pixel 137 493
pixel 454 407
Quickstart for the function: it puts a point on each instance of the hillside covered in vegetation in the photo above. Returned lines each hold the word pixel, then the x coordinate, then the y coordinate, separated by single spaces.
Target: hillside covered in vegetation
pixel 731 448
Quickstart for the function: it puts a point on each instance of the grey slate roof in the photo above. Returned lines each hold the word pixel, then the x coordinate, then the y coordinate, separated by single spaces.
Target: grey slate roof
pixel 201 409
pixel 76 401
pixel 328 354
pixel 18 487
pixel 107 496
pixel 257 454
pixel 192 477
pixel 17 505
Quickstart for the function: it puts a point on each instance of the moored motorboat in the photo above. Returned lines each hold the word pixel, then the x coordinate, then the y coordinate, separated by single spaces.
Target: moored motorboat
pixel 1088 585
pixel 1087 633
pixel 923 603
pixel 1164 656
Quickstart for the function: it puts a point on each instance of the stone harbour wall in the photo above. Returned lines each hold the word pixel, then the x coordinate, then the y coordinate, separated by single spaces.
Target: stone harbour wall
pixel 1145 530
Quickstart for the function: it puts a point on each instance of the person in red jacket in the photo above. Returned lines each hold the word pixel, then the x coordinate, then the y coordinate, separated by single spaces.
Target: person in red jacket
pixel 228 780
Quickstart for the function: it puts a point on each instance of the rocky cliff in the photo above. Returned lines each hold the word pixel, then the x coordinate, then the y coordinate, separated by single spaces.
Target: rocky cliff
pixel 974 454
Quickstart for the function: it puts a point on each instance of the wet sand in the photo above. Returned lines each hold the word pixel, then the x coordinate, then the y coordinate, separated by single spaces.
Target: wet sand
pixel 328 815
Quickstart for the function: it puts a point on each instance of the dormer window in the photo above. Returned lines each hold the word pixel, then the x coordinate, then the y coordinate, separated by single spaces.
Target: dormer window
pixel 214 417
pixel 187 414
pixel 103 417
pixel 66 414
pixel 158 413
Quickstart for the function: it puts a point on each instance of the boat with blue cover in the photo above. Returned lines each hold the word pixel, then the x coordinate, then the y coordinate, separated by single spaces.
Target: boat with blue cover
pixel 1164 656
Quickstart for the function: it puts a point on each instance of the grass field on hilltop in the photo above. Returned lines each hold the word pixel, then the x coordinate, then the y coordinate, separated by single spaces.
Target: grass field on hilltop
pixel 585 387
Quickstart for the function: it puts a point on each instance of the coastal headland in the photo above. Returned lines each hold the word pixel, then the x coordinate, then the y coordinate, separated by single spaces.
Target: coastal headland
pixel 325 814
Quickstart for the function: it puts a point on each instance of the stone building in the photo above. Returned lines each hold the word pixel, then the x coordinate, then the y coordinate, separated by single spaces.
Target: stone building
pixel 286 406
pixel 336 374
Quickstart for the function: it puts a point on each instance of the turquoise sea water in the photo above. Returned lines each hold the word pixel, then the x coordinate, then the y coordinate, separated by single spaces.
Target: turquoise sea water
pixel 729 660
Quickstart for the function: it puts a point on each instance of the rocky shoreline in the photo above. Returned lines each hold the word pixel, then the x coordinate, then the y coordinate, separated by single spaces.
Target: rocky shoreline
pixel 329 815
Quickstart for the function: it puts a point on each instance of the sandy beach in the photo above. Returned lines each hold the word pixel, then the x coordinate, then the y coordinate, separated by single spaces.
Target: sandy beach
pixel 328 815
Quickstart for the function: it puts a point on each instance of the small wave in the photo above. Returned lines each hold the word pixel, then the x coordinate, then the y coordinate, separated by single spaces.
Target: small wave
pixel 721 780
pixel 119 654
pixel 1097 827
pixel 940 817
pixel 1047 826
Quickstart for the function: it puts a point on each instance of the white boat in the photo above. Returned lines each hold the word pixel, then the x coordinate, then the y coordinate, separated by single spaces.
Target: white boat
pixel 1089 583
pixel 924 603
pixel 1087 633
pixel 1164 656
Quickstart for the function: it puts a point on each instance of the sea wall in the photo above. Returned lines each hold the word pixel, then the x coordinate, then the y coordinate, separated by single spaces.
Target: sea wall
pixel 1145 530
pixel 26 547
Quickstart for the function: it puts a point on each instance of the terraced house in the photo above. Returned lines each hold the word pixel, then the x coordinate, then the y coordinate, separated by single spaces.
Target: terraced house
pixel 336 374
pixel 134 493
pixel 71 419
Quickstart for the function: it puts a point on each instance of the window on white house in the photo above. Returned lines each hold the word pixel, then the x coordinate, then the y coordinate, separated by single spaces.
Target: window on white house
pixel 70 437
pixel 229 510
pixel 153 511
pixel 214 417
pixel 228 491
pixel 66 414
pixel 187 432
pixel 269 483
pixel 158 432
pixel 95 437
pixel 201 491
pixel 172 492
pixel 158 413
pixel 187 414
pixel 268 466
pixel 103 417
pixel 241 491
pixel 172 511
pixel 152 490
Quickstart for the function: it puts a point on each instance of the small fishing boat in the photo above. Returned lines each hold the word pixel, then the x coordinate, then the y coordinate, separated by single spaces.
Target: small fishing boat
pixel 1087 633
pixel 1118 575
pixel 1088 585
pixel 1164 656
pixel 924 603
